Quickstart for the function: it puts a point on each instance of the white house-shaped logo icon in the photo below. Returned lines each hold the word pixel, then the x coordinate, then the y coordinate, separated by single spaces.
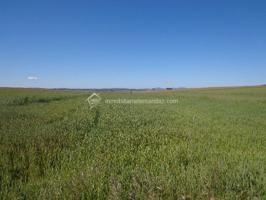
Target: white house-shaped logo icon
pixel 93 100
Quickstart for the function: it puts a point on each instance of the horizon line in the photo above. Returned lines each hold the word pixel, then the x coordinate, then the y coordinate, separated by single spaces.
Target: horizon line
pixel 128 88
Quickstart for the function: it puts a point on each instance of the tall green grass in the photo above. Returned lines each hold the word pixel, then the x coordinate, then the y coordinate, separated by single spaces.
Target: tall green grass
pixel 211 145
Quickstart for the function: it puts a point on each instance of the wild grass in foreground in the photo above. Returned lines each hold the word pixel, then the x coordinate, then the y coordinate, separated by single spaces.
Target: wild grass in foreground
pixel 211 145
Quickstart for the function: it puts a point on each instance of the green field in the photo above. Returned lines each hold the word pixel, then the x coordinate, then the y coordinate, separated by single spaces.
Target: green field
pixel 209 145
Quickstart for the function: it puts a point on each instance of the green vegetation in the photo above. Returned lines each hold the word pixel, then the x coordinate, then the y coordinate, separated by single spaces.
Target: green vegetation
pixel 211 145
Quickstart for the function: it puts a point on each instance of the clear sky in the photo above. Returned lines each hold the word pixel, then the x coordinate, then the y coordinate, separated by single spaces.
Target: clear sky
pixel 132 43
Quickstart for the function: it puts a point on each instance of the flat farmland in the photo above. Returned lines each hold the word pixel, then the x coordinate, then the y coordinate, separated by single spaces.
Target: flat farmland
pixel 206 143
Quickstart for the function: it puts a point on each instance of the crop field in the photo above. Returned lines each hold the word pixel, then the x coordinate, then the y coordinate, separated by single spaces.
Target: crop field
pixel 211 144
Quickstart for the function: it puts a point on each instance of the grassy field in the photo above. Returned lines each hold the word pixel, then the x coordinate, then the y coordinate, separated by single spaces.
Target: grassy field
pixel 209 145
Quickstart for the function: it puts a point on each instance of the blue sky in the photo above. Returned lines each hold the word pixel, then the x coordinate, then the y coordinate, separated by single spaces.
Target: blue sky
pixel 132 43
